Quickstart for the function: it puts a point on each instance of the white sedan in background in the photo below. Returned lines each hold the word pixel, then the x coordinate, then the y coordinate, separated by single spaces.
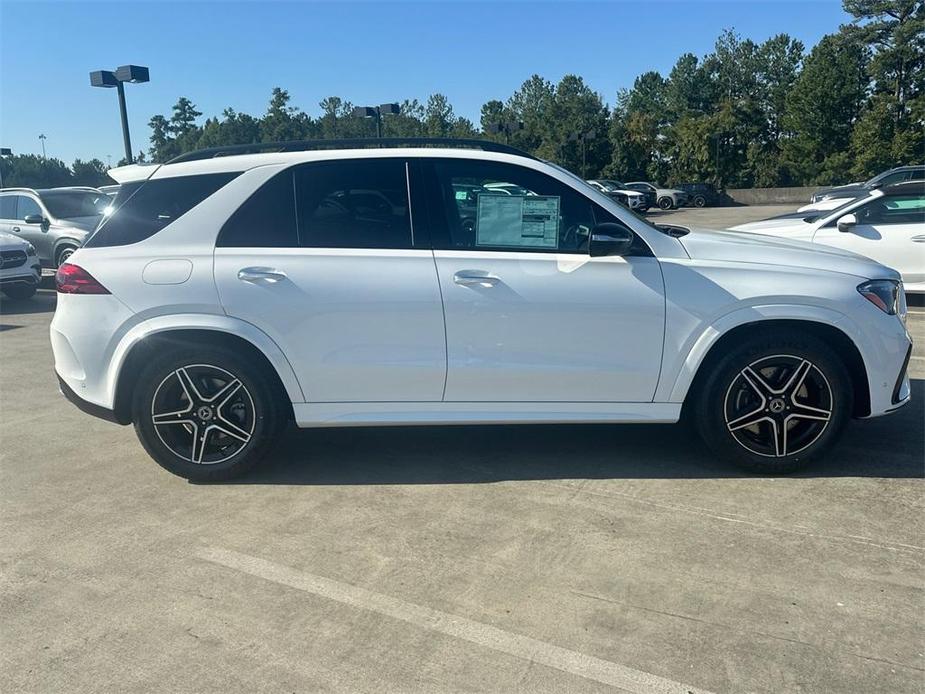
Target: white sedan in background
pixel 887 224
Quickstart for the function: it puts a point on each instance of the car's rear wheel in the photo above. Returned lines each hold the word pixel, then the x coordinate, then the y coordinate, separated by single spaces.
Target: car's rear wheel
pixel 700 201
pixel 665 203
pixel 19 291
pixel 775 402
pixel 206 414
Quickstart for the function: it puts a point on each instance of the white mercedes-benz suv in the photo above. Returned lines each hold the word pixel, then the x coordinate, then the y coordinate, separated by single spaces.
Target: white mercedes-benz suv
pixel 345 284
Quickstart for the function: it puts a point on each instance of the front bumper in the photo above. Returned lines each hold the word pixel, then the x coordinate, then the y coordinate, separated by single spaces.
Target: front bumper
pixel 21 275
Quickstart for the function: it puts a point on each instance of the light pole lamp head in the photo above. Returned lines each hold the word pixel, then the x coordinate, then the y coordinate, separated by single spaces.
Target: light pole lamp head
pixel 103 78
pixel 391 109
pixel 132 73
pixel 364 112
pixel 6 152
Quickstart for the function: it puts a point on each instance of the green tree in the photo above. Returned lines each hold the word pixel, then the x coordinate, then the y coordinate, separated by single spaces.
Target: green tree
pixel 438 116
pixel 89 173
pixel 892 129
pixel 822 108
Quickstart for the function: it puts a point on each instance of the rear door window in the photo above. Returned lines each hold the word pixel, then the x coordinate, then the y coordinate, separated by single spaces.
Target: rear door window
pixel 266 219
pixel 143 208
pixel 353 203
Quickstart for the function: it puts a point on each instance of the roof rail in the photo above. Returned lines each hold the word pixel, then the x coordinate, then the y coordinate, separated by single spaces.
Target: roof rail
pixel 355 143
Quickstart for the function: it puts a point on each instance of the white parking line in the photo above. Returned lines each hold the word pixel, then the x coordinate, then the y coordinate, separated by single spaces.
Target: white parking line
pixel 540 652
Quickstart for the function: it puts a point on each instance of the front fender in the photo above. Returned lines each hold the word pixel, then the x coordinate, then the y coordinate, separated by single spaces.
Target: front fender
pixel 677 377
pixel 203 321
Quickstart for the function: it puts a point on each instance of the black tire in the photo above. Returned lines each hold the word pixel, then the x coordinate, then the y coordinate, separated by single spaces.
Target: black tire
pixel 255 410
pixel 665 203
pixel 700 201
pixel 19 291
pixel 774 433
pixel 63 254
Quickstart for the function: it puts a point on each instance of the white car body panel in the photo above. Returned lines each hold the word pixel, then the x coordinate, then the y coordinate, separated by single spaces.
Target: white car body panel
pixel 551 327
pixel 899 246
pixel 823 205
pixel 388 336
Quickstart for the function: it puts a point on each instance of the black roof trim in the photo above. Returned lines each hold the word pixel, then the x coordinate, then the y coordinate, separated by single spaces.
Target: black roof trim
pixel 356 143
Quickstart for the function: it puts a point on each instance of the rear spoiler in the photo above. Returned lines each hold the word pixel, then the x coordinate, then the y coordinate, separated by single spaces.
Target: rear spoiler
pixel 132 172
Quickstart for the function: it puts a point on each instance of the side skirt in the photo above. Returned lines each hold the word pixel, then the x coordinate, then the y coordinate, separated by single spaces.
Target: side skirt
pixel 340 414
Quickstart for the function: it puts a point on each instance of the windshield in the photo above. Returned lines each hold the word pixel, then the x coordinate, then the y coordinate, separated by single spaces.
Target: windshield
pixel 76 203
pixel 816 216
pixel 612 185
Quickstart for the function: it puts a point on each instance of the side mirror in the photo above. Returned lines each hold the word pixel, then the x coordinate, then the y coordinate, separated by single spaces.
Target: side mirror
pixel 33 219
pixel 610 239
pixel 846 223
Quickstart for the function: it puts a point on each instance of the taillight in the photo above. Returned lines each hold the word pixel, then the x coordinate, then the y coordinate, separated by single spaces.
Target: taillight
pixel 73 279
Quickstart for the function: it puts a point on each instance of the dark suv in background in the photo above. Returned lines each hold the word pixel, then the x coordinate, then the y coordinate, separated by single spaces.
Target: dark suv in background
pixel 700 194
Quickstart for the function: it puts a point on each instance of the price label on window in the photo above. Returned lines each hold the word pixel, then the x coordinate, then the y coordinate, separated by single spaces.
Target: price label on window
pixel 517 221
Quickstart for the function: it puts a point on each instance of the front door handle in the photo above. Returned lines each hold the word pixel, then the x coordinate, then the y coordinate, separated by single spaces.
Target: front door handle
pixel 16 229
pixel 256 274
pixel 919 239
pixel 469 278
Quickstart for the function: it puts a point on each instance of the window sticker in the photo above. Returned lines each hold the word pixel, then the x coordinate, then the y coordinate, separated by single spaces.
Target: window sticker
pixel 517 221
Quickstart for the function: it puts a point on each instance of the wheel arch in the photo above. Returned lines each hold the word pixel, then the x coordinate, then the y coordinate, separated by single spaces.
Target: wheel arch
pixel 61 244
pixel 141 342
pixel 828 333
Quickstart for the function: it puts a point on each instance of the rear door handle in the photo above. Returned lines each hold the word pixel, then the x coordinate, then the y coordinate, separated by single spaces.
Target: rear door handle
pixel 469 278
pixel 16 229
pixel 257 274
pixel 919 239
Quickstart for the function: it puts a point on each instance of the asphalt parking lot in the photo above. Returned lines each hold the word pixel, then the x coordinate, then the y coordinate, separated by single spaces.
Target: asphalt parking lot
pixel 500 559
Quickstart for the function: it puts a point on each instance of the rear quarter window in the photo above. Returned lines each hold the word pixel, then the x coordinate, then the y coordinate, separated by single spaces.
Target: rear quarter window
pixel 143 208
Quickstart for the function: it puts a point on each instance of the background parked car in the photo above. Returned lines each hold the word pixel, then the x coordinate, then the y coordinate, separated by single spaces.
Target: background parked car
pixel 665 198
pixel 623 195
pixel 700 194
pixel 20 271
pixel 888 178
pixel 56 220
pixel 887 224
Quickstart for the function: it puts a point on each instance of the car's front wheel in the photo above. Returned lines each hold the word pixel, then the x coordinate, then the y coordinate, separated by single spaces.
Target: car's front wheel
pixel 700 201
pixel 775 402
pixel 206 414
pixel 666 203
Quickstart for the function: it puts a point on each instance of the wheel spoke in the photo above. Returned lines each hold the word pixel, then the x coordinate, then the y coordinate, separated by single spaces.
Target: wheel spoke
pixel 757 382
pixel 226 393
pixel 172 418
pixel 232 430
pixel 192 392
pixel 806 412
pixel 200 435
pixel 747 420
pixel 796 379
pixel 779 431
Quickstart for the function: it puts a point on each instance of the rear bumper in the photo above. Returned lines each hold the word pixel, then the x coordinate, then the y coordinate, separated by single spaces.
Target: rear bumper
pixel 87 407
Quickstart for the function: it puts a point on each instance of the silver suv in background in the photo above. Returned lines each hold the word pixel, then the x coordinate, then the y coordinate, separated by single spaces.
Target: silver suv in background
pixel 665 198
pixel 55 220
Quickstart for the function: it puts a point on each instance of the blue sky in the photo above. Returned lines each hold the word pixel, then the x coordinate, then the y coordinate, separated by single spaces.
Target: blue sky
pixel 223 54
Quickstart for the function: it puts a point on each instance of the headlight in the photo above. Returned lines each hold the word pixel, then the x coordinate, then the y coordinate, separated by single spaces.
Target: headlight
pixel 887 295
pixel 30 249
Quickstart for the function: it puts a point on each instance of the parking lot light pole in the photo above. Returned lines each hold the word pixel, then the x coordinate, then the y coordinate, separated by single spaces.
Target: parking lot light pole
pixel 583 139
pixel 377 113
pixel 135 74
pixel 506 129
pixel 42 139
